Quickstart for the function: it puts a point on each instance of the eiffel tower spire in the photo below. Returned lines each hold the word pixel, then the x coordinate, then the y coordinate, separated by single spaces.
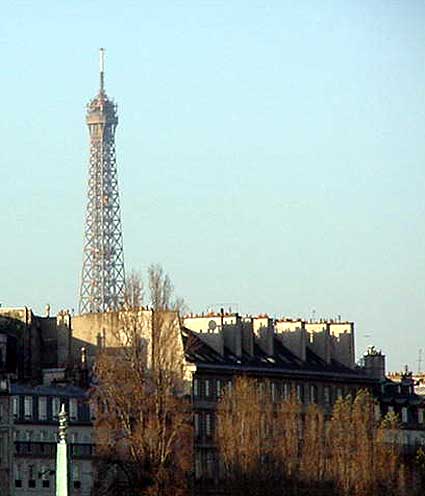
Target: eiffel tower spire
pixel 103 276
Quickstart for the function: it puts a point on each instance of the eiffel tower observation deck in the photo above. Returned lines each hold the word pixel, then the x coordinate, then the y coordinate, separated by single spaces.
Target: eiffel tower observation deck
pixel 103 276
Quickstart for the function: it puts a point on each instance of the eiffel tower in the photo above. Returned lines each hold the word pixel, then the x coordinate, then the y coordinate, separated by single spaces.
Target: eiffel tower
pixel 103 276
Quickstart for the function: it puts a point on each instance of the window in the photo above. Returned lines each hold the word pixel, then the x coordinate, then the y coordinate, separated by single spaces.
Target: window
pixel 73 409
pixel 261 389
pixel 207 388
pixel 377 411
pixel 390 409
pixel 404 416
pixel 28 407
pixel 229 386
pixel 55 406
pixel 313 393
pixel 300 392
pixel 87 438
pixel 196 388
pixel 44 475
pixel 209 459
pixel 339 393
pixel 198 465
pixel 76 476
pixel 74 437
pixel 221 468
pixel 18 475
pixel 218 388
pixel 196 424
pixel 286 391
pixel 327 395
pixel 420 415
pixel 273 391
pixel 31 476
pixel 92 410
pixel 208 425
pixel 42 408
pixel 15 406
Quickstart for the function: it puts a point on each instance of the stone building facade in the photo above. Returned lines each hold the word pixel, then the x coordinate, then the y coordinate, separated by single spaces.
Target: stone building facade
pixel 314 359
pixel 33 421
pixel 46 360
pixel 35 379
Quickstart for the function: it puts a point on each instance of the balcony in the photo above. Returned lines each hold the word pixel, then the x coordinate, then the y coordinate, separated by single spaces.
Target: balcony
pixel 48 450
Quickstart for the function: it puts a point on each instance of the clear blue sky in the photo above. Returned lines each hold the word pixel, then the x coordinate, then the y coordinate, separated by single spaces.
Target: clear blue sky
pixel 271 154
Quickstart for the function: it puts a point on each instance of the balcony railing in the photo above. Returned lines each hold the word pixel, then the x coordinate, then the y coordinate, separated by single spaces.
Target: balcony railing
pixel 48 450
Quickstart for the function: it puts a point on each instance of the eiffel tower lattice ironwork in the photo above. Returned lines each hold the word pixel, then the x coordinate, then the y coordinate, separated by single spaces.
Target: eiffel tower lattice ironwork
pixel 103 275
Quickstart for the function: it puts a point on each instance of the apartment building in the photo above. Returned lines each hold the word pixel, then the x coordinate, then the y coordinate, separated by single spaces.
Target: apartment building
pixel 313 359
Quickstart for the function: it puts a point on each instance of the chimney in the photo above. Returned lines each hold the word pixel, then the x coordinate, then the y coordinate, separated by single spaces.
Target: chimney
pixel 232 333
pixel 342 343
pixel 319 339
pixel 208 329
pixel 293 336
pixel 264 334
pixel 247 336
pixel 374 363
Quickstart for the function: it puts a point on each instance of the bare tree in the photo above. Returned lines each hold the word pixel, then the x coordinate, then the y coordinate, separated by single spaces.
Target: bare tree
pixel 244 436
pixel 288 435
pixel 144 422
pixel 290 449
pixel 313 463
pixel 364 454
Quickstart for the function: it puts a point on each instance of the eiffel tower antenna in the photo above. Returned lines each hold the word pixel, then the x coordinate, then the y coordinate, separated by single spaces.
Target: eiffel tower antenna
pixel 102 69
pixel 103 275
